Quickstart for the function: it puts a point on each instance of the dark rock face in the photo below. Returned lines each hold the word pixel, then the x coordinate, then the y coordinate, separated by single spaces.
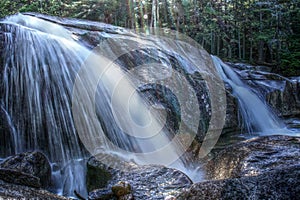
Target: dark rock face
pixel 11 191
pixel 146 182
pixel 254 157
pixel 279 184
pixel 32 169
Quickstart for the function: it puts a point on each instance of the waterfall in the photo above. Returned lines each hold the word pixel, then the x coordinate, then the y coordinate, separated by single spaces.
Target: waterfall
pixel 40 65
pixel 70 102
pixel 257 116
pixel 51 88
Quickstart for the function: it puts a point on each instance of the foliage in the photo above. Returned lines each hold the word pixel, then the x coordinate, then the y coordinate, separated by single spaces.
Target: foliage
pixel 255 31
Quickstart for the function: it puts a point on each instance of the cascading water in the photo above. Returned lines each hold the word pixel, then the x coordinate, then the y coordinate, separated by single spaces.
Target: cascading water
pixel 52 85
pixel 256 114
pixel 41 66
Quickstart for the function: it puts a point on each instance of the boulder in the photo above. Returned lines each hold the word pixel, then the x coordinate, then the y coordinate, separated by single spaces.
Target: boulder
pixel 260 168
pixel 12 191
pixel 145 181
pixel 30 164
pixel 20 178
pixel 97 175
pixel 279 184
pixel 254 157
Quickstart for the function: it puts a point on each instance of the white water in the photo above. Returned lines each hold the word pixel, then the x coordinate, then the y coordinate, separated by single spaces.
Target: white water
pixel 41 64
pixel 257 116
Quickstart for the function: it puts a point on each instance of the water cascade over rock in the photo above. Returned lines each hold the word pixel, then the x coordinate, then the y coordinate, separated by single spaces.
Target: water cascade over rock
pixel 74 89
pixel 256 114
pixel 51 83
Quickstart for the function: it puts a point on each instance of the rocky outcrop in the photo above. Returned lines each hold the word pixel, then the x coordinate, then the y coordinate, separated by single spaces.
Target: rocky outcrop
pixel 254 157
pixel 260 168
pixel 281 93
pixel 12 191
pixel 279 184
pixel 146 181
pixel 286 101
pixel 31 169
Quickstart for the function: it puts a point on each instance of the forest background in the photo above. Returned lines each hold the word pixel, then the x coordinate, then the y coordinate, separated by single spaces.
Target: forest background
pixel 251 31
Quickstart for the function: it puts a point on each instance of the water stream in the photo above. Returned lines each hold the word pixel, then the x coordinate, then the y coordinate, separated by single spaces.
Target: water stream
pixel 55 102
pixel 41 67
pixel 257 116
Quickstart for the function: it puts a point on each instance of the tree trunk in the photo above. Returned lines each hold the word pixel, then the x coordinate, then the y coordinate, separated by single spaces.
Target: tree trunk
pixel 244 46
pixel 261 51
pixel 153 18
pixel 239 44
pixel 251 51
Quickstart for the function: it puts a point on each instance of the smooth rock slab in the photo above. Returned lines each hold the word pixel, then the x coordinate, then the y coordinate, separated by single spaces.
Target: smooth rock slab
pixel 280 184
pixel 254 157
pixel 147 181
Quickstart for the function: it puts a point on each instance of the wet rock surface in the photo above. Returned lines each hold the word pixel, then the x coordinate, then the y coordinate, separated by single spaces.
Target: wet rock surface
pixel 279 184
pixel 146 181
pixel 12 191
pixel 31 169
pixel 281 93
pixel 20 178
pixel 260 168
pixel 263 168
pixel 255 156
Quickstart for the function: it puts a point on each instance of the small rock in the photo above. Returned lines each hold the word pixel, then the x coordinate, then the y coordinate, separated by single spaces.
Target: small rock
pixel 121 189
pixel 170 197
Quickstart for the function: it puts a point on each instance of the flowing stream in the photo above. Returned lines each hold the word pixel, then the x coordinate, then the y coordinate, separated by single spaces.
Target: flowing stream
pixel 42 61
pixel 68 102
pixel 257 116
